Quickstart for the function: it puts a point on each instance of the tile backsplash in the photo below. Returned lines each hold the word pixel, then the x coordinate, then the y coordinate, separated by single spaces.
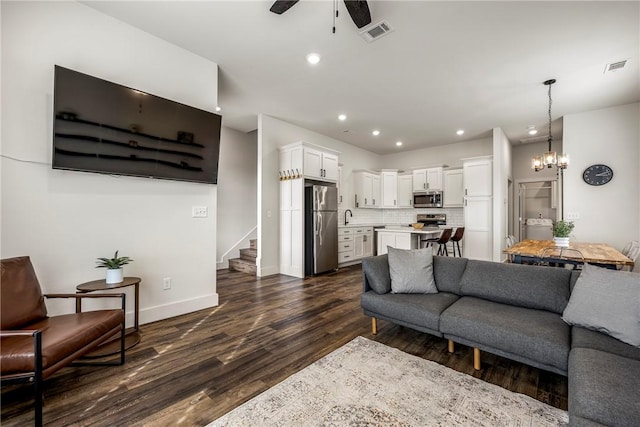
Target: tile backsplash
pixel 455 216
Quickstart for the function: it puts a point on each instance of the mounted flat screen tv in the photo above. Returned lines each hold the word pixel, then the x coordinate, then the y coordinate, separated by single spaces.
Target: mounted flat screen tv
pixel 103 127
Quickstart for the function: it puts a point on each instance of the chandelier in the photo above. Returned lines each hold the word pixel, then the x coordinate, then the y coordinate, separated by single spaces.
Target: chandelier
pixel 550 158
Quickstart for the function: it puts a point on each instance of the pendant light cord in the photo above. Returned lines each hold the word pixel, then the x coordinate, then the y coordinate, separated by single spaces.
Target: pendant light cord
pixel 550 137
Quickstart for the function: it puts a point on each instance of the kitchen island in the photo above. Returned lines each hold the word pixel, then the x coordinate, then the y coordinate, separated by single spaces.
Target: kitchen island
pixel 403 237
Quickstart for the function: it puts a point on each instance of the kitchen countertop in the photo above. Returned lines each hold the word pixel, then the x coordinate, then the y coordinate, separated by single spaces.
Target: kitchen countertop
pixel 409 229
pixel 361 225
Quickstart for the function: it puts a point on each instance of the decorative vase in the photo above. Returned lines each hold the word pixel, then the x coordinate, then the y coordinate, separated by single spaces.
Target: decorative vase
pixel 114 275
pixel 562 242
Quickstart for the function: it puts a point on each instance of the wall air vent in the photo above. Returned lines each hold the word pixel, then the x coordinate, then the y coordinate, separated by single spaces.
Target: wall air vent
pixel 615 66
pixel 532 139
pixel 375 31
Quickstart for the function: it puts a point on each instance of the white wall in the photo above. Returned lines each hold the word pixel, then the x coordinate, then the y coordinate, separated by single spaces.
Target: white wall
pixel 273 133
pixel 449 154
pixel 237 193
pixel 608 213
pixel 63 219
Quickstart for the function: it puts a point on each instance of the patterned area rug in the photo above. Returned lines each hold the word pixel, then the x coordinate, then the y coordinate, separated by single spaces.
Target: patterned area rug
pixel 365 383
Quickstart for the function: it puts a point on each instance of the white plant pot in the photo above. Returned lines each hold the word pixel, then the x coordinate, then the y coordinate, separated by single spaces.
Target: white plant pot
pixel 562 242
pixel 114 275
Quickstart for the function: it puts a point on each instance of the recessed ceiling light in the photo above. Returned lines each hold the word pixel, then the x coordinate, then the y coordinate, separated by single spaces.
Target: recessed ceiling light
pixel 218 108
pixel 398 143
pixel 313 58
pixel 342 117
pixel 532 130
pixel 376 132
pixel 460 132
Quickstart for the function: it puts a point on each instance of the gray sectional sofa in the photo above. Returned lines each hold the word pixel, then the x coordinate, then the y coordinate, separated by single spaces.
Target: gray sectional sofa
pixel 515 311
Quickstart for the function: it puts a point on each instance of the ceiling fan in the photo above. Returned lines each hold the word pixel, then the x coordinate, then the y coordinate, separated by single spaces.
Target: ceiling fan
pixel 358 9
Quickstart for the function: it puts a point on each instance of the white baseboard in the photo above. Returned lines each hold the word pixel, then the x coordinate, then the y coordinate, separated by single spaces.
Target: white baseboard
pixel 267 271
pixel 165 311
pixel 222 265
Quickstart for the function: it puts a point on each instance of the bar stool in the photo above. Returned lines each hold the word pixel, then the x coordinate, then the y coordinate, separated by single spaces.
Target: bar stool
pixel 441 241
pixel 455 240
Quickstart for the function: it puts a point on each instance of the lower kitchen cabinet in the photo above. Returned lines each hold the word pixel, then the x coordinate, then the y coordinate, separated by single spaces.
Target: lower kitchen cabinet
pixel 354 243
pixel 395 240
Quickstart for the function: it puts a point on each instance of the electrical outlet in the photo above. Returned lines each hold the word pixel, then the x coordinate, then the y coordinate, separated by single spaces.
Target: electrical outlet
pixel 166 283
pixel 199 212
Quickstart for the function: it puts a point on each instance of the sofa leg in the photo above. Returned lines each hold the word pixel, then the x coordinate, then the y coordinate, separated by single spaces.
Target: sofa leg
pixel 476 359
pixel 374 325
pixel 451 349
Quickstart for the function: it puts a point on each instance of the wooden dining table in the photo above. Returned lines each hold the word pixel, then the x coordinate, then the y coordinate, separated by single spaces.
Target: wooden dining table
pixel 545 251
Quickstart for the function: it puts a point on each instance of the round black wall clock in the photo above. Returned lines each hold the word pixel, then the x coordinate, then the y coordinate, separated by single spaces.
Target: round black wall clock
pixel 597 174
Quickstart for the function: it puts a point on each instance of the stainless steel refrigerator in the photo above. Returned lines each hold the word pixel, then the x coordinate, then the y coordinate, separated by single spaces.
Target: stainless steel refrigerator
pixel 321 229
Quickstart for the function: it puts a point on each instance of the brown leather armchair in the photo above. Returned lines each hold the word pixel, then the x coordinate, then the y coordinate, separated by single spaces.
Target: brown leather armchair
pixel 33 345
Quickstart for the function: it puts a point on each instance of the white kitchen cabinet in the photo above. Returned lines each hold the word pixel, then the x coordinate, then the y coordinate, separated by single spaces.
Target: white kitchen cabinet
pixel 297 161
pixel 478 177
pixel 339 185
pixel 354 243
pixel 478 209
pixel 453 188
pixel 366 189
pixel 395 240
pixel 427 179
pixel 389 187
pixel 405 190
pixel 320 164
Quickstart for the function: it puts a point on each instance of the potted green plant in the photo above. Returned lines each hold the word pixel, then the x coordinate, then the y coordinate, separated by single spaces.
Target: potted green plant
pixel 113 266
pixel 561 232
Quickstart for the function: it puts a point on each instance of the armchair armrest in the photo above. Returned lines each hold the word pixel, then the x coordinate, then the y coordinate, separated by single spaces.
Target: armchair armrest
pixel 19 332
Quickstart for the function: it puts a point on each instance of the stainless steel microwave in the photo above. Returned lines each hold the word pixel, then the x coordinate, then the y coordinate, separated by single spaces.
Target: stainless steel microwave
pixel 427 199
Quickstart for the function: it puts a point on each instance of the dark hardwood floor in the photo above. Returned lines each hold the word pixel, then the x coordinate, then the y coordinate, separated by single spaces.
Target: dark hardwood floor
pixel 191 369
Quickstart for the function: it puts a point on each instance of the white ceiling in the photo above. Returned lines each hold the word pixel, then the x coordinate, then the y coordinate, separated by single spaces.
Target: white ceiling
pixel 448 65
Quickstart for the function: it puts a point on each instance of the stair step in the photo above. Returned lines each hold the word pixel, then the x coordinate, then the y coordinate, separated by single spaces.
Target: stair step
pixel 253 243
pixel 249 255
pixel 238 264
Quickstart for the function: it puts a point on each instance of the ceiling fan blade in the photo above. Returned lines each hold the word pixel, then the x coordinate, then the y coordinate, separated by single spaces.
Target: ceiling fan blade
pixel 359 11
pixel 281 6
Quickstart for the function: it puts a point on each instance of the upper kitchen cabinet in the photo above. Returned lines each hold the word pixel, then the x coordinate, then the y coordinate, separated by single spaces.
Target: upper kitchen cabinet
pixel 405 190
pixel 478 177
pixel 366 189
pixel 320 164
pixel 453 188
pixel 340 186
pixel 429 179
pixel 309 161
pixel 389 187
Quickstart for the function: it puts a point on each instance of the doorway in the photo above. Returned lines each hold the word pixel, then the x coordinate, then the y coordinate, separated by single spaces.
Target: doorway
pixel 537 208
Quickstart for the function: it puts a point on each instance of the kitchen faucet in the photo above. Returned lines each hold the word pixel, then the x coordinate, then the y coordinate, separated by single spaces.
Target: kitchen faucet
pixel 346 221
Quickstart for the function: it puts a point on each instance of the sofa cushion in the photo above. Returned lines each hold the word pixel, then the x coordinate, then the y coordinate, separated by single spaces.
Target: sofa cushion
pixel 19 283
pixel 545 288
pixel 604 387
pixel 607 301
pixel 375 270
pixel 586 338
pixel 447 271
pixel 411 271
pixel 416 309
pixel 538 335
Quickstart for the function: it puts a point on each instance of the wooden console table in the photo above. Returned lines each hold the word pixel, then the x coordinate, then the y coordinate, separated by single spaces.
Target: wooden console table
pixel 132 334
pixel 599 254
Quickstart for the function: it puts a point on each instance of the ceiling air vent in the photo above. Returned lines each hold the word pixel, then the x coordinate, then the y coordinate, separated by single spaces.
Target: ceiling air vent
pixel 375 31
pixel 615 66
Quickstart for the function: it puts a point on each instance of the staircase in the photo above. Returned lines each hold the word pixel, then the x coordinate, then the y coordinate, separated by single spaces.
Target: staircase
pixel 247 261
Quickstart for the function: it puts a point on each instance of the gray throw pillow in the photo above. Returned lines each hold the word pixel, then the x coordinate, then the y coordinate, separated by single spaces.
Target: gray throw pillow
pixel 411 271
pixel 607 301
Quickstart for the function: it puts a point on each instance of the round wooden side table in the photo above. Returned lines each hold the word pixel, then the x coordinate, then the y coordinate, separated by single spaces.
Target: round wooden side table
pixel 132 334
